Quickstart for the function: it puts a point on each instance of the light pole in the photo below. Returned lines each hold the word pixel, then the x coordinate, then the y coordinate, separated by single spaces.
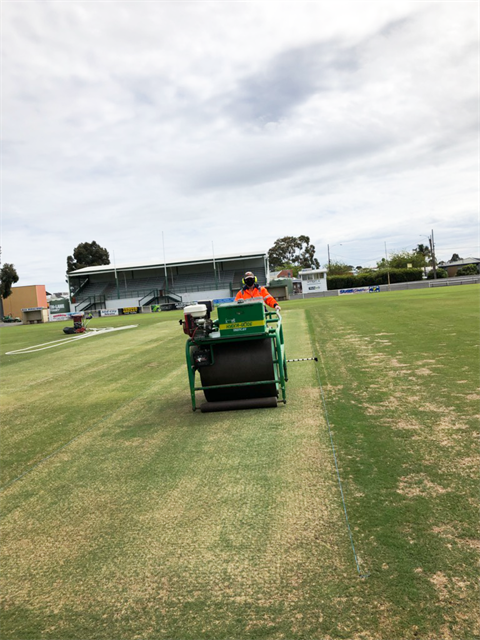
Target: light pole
pixel 388 266
pixel 328 251
pixel 432 251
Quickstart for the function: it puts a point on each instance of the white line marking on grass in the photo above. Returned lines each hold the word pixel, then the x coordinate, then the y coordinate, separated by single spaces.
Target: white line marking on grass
pixel 62 341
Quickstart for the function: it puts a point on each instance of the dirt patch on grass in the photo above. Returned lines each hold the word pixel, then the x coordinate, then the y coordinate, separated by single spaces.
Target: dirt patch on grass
pixel 406 424
pixel 440 582
pixel 395 363
pixel 418 484
pixel 423 372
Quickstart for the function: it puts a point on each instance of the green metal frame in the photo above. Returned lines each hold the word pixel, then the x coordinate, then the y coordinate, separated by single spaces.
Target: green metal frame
pixel 274 331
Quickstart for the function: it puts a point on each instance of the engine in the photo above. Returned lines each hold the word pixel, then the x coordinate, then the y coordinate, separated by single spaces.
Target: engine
pixel 197 322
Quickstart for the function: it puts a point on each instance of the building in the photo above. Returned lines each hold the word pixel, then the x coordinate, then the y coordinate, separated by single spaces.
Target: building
pixel 33 297
pixel 313 280
pixel 452 267
pixel 141 285
pixel 284 273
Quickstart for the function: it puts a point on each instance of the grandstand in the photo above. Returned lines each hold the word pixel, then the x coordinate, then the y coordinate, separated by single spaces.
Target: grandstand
pixel 178 282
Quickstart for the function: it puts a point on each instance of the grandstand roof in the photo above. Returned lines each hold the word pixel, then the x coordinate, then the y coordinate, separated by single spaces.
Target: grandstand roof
pixel 105 268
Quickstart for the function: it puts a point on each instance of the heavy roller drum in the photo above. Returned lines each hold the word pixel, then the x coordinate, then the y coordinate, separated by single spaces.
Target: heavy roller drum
pixel 240 362
pixel 239 357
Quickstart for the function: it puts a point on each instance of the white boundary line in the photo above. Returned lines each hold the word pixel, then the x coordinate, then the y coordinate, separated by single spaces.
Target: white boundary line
pixel 62 341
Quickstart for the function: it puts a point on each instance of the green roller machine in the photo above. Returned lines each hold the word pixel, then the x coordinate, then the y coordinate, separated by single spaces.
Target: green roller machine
pixel 239 357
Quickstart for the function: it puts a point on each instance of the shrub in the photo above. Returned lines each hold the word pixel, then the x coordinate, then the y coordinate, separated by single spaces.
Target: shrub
pixel 441 273
pixel 371 278
pixel 468 270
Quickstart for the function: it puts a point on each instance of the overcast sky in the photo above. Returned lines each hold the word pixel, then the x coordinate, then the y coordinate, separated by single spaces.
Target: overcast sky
pixel 236 123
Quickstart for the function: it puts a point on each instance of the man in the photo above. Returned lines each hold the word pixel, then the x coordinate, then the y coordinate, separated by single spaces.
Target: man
pixel 251 290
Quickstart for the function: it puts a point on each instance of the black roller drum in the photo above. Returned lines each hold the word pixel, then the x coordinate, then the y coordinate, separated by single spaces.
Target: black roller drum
pixel 242 361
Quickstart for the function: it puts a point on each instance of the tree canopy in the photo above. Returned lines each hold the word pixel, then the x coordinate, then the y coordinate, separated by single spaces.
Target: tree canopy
pixel 402 259
pixel 291 250
pixel 8 277
pixel 335 268
pixel 87 254
pixel 455 258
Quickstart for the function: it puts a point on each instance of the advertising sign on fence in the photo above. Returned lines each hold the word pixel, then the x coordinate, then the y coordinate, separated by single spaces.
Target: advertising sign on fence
pixel 128 310
pixel 374 289
pixel 59 317
pixel 61 305
pixel 109 312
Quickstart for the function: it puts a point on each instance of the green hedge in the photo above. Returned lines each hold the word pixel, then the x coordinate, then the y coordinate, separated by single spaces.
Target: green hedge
pixel 468 270
pixel 441 273
pixel 373 278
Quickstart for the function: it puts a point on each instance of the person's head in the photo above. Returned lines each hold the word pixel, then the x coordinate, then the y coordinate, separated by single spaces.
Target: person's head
pixel 249 279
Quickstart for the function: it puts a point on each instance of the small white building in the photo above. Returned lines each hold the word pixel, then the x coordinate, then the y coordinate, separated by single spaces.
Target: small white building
pixel 313 280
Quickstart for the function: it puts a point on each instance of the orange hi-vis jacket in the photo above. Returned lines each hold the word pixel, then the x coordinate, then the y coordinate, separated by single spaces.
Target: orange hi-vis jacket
pixel 257 292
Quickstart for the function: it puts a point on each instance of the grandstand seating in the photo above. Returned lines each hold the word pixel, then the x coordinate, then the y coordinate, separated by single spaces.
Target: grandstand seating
pixel 177 283
pixel 92 289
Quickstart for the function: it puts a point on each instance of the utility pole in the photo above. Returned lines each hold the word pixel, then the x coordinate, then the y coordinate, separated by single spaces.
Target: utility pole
pixel 388 266
pixel 165 268
pixel 214 267
pixel 432 251
pixel 328 251
pixel 116 275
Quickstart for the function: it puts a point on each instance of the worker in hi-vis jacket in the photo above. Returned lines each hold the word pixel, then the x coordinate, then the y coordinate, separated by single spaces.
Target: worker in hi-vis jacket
pixel 251 290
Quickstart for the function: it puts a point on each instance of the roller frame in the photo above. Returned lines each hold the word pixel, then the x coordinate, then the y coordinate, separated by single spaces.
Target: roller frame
pixel 275 333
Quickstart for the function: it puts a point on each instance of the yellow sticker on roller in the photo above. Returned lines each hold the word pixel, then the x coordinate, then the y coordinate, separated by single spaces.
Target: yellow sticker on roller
pixel 242 325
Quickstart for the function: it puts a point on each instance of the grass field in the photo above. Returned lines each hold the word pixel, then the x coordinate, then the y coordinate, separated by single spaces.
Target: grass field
pixel 125 515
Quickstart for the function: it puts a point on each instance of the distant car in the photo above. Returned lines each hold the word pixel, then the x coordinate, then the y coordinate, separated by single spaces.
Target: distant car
pixel 10 319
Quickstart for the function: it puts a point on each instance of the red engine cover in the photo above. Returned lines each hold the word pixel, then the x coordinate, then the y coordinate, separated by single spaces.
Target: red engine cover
pixel 189 325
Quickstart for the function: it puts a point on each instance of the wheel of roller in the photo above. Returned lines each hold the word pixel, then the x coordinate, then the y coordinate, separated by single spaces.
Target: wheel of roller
pixel 242 361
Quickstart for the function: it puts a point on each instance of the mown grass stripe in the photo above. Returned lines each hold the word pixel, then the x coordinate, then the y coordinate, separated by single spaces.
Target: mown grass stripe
pixel 78 436
pixel 362 574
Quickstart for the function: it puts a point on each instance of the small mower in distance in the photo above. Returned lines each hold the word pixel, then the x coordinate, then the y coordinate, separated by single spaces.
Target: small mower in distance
pixel 79 324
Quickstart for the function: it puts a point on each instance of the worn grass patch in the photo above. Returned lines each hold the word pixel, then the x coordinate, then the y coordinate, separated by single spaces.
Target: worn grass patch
pixel 125 515
pixel 409 454
pixel 153 521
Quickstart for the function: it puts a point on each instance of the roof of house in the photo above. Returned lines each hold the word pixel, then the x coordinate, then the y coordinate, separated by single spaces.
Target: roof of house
pixel 461 263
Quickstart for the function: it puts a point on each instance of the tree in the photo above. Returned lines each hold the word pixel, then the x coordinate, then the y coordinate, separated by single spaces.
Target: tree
pixel 8 277
pixel 87 254
pixel 455 258
pixel 290 250
pixel 338 268
pixel 425 251
pixel 402 259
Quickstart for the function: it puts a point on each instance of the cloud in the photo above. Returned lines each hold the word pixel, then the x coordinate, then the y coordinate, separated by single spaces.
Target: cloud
pixel 339 122
pixel 289 79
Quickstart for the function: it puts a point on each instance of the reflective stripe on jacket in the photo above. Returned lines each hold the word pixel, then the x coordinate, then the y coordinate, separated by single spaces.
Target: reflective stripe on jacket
pixel 257 292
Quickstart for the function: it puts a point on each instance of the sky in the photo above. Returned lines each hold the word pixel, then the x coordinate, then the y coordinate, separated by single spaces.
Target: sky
pixel 218 127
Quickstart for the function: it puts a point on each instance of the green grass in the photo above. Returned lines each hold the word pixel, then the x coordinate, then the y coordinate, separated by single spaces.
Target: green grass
pixel 125 515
